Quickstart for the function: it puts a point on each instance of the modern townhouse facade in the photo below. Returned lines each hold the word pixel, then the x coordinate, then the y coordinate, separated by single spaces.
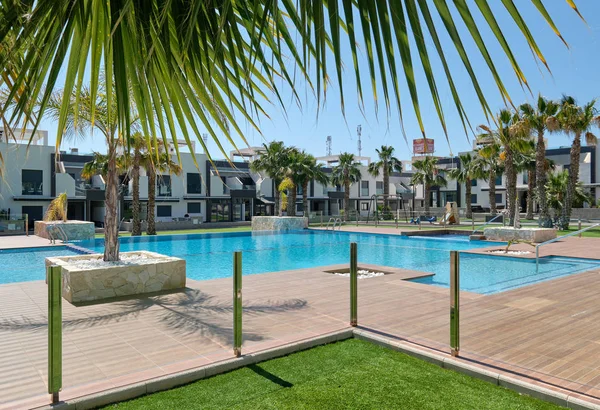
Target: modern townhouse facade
pixel 227 190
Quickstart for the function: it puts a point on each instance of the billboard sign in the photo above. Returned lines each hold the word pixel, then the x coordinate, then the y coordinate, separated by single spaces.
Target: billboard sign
pixel 423 146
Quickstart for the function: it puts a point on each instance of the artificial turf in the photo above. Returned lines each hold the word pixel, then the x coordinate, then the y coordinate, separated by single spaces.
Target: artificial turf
pixel 346 375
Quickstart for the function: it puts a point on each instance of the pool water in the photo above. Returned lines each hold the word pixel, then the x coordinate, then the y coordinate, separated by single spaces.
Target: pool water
pixel 209 256
pixel 23 265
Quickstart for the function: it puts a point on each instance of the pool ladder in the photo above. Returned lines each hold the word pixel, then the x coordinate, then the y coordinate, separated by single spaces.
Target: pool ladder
pixel 61 234
pixel 335 223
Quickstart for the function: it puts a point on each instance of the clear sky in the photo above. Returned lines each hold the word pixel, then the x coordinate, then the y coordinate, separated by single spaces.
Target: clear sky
pixel 575 71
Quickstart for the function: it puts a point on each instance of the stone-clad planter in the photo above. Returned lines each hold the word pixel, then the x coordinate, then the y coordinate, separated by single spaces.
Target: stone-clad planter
pixel 75 230
pixel 536 235
pixel 86 278
pixel 279 223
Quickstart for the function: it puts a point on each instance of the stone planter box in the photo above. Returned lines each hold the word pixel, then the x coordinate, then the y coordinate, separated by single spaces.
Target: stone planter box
pixel 536 235
pixel 279 223
pixel 75 230
pixel 137 273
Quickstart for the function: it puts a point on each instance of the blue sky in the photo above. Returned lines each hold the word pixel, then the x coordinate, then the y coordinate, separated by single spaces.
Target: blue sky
pixel 574 71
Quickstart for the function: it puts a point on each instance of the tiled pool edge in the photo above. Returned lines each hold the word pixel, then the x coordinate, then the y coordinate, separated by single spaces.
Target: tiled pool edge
pixel 541 390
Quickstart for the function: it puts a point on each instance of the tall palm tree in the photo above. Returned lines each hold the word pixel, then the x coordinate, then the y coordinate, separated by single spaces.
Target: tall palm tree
pixel 537 119
pixel 427 174
pixel 526 162
pixel 157 161
pixel 190 62
pixel 469 169
pixel 488 161
pixel 273 161
pixel 303 169
pixel 80 114
pixel 576 121
pixel 386 163
pixel 139 144
pixel 511 135
pixel 345 173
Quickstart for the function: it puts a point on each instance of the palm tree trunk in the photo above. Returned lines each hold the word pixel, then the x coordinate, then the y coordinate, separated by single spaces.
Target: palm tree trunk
pixel 426 193
pixel 386 189
pixel 511 187
pixel 111 223
pixel 544 220
pixel 291 203
pixel 305 199
pixel 573 179
pixel 492 193
pixel 346 199
pixel 151 223
pixel 530 191
pixel 278 209
pixel 468 188
pixel 136 229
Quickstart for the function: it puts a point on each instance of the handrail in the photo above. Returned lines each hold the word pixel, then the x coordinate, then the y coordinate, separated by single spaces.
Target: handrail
pixel 488 222
pixel 65 238
pixel 328 222
pixel 339 226
pixel 537 247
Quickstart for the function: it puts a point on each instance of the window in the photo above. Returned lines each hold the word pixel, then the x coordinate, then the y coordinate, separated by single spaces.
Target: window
pixel 194 208
pixel 364 188
pixel 498 179
pixel 32 182
pixel 163 185
pixel 379 187
pixel 499 198
pixel 225 187
pixel 364 206
pixel 299 190
pixel 163 210
pixel 194 183
pixel 473 198
pixel 473 182
pixel 525 178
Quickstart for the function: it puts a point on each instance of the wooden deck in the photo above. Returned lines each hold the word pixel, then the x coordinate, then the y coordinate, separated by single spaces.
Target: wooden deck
pixel 548 332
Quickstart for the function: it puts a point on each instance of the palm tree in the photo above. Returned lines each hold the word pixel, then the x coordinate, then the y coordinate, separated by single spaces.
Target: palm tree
pixel 139 144
pixel 303 169
pixel 81 113
pixel 537 119
pixel 387 163
pixel 511 136
pixel 557 188
pixel 346 173
pixel 229 57
pixel 526 162
pixel 57 209
pixel 488 162
pixel 468 170
pixel 427 174
pixel 576 121
pixel 273 161
pixel 157 161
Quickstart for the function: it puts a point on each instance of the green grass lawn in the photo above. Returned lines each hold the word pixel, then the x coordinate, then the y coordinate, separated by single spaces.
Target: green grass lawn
pixel 347 375
pixel 186 231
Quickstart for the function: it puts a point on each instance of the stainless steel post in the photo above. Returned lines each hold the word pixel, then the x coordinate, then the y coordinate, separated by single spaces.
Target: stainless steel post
pixel 237 303
pixel 54 332
pixel 454 302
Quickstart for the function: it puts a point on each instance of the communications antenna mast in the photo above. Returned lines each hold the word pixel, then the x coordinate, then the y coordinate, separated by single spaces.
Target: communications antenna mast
pixel 328 146
pixel 359 132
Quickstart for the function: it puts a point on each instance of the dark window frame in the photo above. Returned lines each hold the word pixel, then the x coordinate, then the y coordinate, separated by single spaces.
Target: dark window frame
pixel 193 187
pixel 189 211
pixel 35 186
pixel 160 182
pixel 164 207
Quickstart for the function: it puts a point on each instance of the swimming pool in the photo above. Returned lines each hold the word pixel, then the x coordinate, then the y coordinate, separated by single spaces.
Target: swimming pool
pixel 209 256
pixel 23 265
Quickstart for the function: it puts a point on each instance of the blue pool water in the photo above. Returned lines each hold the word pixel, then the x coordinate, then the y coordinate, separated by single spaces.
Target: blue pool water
pixel 209 256
pixel 22 265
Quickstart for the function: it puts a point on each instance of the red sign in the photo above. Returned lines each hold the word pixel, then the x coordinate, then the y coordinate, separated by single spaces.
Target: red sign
pixel 423 146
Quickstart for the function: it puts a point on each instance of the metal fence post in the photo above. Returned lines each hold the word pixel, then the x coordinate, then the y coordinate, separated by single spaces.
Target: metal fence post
pixel 353 284
pixel 27 224
pixel 237 303
pixel 54 332
pixel 321 219
pixel 454 303
pixel 579 226
pixel 357 213
pixel 472 221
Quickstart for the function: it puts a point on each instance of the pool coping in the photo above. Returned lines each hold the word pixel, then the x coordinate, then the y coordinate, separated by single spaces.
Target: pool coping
pixel 528 386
